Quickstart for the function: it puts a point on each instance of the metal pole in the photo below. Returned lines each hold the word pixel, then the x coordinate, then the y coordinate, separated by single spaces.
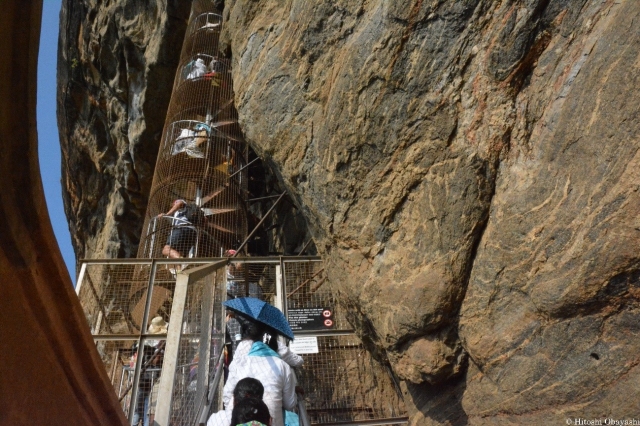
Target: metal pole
pixel 259 223
pixel 205 339
pixel 83 270
pixel 121 382
pixel 244 167
pixel 148 244
pixel 113 366
pixel 283 277
pixel 279 302
pixel 305 246
pixel 250 200
pixel 174 334
pixel 96 329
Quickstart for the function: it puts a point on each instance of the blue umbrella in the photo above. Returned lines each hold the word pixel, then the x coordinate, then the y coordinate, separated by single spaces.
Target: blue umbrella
pixel 262 312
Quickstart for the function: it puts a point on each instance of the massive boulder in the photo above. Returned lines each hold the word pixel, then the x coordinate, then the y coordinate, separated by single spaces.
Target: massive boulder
pixel 469 171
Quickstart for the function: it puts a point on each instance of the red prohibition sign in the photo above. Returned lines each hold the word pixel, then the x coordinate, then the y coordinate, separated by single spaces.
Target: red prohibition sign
pixel 328 323
pixel 326 313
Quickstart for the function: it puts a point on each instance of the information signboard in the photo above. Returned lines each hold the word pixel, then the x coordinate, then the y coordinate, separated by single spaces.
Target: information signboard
pixel 304 345
pixel 310 319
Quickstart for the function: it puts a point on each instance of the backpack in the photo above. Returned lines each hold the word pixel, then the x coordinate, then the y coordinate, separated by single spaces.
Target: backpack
pixel 193 214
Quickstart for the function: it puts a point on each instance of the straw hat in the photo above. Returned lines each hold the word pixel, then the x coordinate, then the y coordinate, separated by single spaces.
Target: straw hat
pixel 158 326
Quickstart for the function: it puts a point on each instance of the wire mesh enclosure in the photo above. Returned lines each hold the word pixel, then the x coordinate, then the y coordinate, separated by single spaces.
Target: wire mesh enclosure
pixel 255 278
pixel 202 156
pixel 199 350
pixel 129 306
pixel 342 382
pixel 307 288
pixel 121 300
pixel 115 295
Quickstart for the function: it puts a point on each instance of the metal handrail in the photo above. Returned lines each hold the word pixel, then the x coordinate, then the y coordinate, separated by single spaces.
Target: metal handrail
pixel 199 25
pixel 303 416
pixel 202 260
pixel 205 409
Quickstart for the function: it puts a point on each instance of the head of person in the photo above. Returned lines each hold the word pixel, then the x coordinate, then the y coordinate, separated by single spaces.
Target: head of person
pixel 250 410
pixel 248 388
pixel 158 326
pixel 250 329
pixel 234 268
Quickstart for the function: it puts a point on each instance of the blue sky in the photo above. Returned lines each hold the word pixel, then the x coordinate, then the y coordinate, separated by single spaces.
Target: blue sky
pixel 48 139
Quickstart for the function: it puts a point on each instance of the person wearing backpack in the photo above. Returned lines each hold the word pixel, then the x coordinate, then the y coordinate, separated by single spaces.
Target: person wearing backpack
pixel 183 234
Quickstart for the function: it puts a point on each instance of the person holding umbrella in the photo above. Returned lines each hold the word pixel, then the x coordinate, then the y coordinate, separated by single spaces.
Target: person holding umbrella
pixel 258 360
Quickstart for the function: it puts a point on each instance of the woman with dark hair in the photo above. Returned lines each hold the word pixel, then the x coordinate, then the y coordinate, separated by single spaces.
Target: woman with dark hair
pixel 253 358
pixel 250 412
pixel 247 388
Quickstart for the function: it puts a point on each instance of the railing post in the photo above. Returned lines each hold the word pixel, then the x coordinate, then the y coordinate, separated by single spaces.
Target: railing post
pixel 83 270
pixel 143 329
pixel 280 293
pixel 174 333
pixel 205 340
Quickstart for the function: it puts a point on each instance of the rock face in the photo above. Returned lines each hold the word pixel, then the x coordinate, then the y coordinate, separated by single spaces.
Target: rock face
pixel 469 171
pixel 116 63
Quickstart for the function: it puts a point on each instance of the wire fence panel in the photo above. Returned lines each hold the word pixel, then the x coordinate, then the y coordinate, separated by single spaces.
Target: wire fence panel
pixel 200 347
pixel 255 279
pixel 114 296
pixel 342 382
pixel 130 305
pixel 119 362
pixel 307 288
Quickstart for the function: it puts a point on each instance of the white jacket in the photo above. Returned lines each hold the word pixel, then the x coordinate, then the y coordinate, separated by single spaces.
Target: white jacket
pixel 275 375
